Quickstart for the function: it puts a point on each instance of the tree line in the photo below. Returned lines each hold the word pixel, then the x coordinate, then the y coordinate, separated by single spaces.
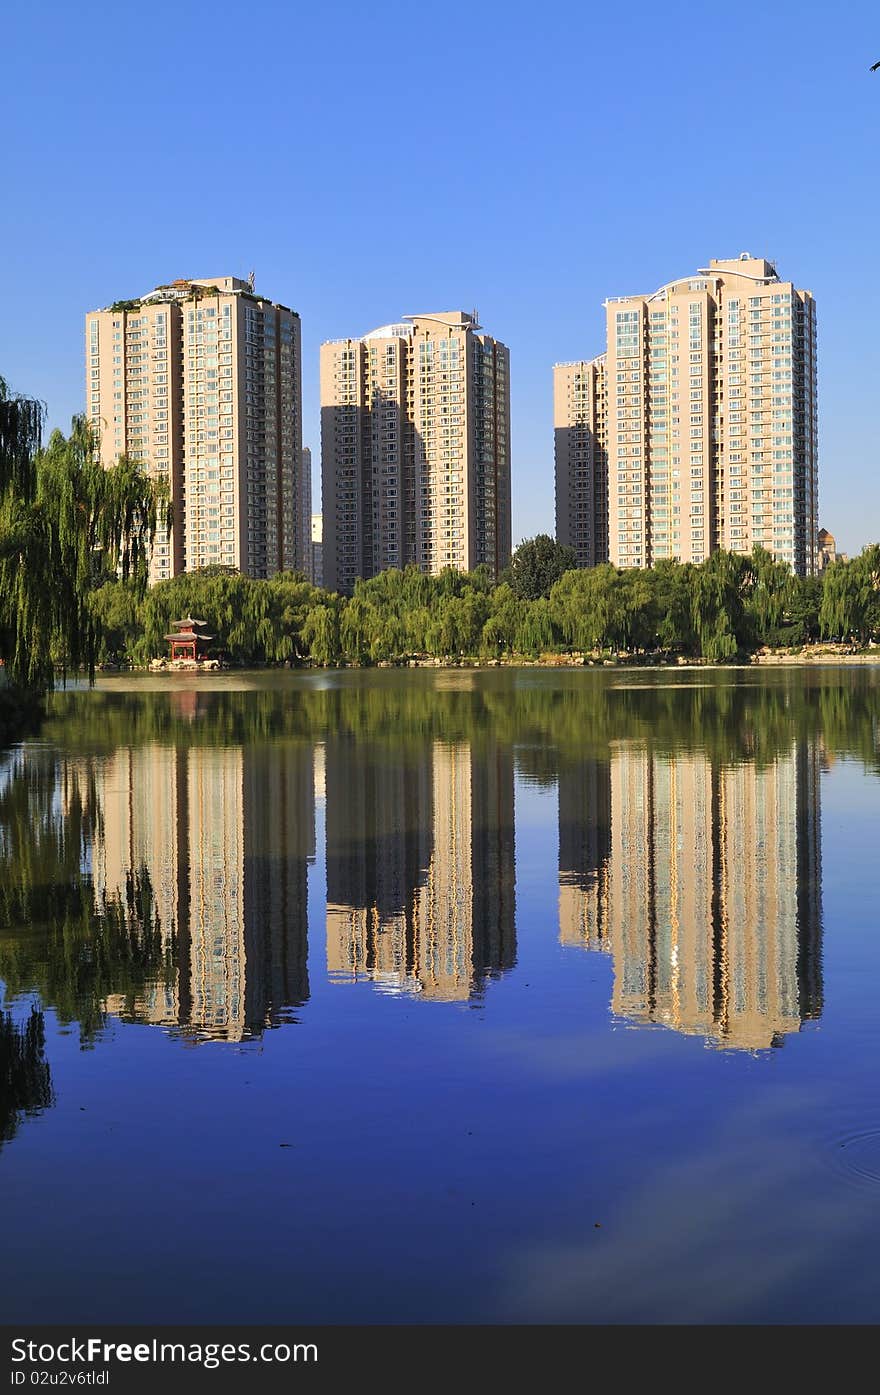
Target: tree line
pixel 727 606
pixel 67 525
pixel 75 540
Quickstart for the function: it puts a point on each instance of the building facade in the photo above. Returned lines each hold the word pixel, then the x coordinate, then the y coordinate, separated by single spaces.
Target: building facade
pixel 415 449
pixel 580 417
pixel 317 547
pixel 200 381
pixel 708 423
pixel 827 550
pixel 305 515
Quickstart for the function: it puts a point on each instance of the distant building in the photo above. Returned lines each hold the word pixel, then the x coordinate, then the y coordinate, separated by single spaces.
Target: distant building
pixel 305 517
pixel 827 551
pixel 415 449
pixel 200 380
pixel 317 548
pixel 580 417
pixel 706 424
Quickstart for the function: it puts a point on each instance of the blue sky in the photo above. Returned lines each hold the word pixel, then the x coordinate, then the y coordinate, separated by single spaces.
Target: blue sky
pixel 378 160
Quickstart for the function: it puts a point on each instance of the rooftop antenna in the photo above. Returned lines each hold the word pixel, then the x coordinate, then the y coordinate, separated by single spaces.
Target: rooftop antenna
pixel 252 276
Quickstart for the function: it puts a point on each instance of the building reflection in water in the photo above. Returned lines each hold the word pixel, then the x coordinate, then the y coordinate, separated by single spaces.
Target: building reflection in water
pixel 225 835
pixel 701 879
pixel 703 882
pixel 420 866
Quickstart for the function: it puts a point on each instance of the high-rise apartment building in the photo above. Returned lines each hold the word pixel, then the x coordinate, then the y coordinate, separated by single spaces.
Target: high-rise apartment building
pixel 707 423
pixel 317 547
pixel 580 414
pixel 200 380
pixel 304 516
pixel 415 449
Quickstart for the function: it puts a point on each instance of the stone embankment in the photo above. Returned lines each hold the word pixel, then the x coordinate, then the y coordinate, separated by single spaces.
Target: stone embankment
pixel 185 665
pixel 819 654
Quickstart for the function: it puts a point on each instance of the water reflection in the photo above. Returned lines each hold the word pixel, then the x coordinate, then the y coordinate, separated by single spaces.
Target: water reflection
pixel 420 866
pixel 157 845
pixel 225 835
pixel 25 1082
pixel 703 882
pixel 62 938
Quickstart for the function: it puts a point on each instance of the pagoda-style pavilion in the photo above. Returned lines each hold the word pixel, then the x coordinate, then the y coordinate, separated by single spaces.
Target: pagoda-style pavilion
pixel 189 640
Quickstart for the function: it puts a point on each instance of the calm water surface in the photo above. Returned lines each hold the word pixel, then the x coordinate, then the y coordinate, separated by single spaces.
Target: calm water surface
pixel 512 996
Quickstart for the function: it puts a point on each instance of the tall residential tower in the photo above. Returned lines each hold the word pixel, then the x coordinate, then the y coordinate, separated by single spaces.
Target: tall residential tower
pixel 580 415
pixel 707 423
pixel 415 449
pixel 201 381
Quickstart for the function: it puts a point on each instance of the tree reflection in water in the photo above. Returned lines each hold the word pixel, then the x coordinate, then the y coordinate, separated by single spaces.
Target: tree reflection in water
pixel 25 1081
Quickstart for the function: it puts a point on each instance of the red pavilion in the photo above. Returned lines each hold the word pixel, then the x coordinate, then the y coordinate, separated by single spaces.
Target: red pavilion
pixel 189 640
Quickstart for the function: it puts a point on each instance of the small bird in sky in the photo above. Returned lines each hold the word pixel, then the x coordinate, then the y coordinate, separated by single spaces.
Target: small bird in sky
pixel 874 67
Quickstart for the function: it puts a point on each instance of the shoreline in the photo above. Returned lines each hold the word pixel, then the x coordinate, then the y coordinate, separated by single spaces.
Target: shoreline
pixel 807 659
pixel 821 656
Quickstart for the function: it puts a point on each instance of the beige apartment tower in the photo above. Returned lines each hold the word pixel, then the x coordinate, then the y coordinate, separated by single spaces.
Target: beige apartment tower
pixel 201 381
pixel 304 515
pixel 580 416
pixel 707 425
pixel 415 449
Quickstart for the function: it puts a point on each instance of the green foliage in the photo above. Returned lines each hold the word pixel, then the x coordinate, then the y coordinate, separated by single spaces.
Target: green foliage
pixel 592 607
pixel 56 936
pixel 75 539
pixel 718 604
pixel 114 611
pixel 537 565
pixel 850 606
pixel 502 626
pixel 65 523
pixel 535 634
pixel 801 619
pixel 767 591
pixel 673 586
pixel 21 425
pixel 252 622
pixel 320 634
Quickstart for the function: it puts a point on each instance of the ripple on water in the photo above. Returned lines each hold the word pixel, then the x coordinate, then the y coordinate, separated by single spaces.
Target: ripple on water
pixel 857 1157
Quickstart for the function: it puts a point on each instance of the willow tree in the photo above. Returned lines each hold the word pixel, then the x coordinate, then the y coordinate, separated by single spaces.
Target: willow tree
pixel 320 634
pixel 718 605
pixel 66 523
pixel 768 592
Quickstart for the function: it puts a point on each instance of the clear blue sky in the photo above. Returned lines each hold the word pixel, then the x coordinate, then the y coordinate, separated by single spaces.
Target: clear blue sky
pixel 372 160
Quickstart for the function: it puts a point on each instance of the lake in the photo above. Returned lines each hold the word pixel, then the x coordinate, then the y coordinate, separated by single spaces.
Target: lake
pixel 501 996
